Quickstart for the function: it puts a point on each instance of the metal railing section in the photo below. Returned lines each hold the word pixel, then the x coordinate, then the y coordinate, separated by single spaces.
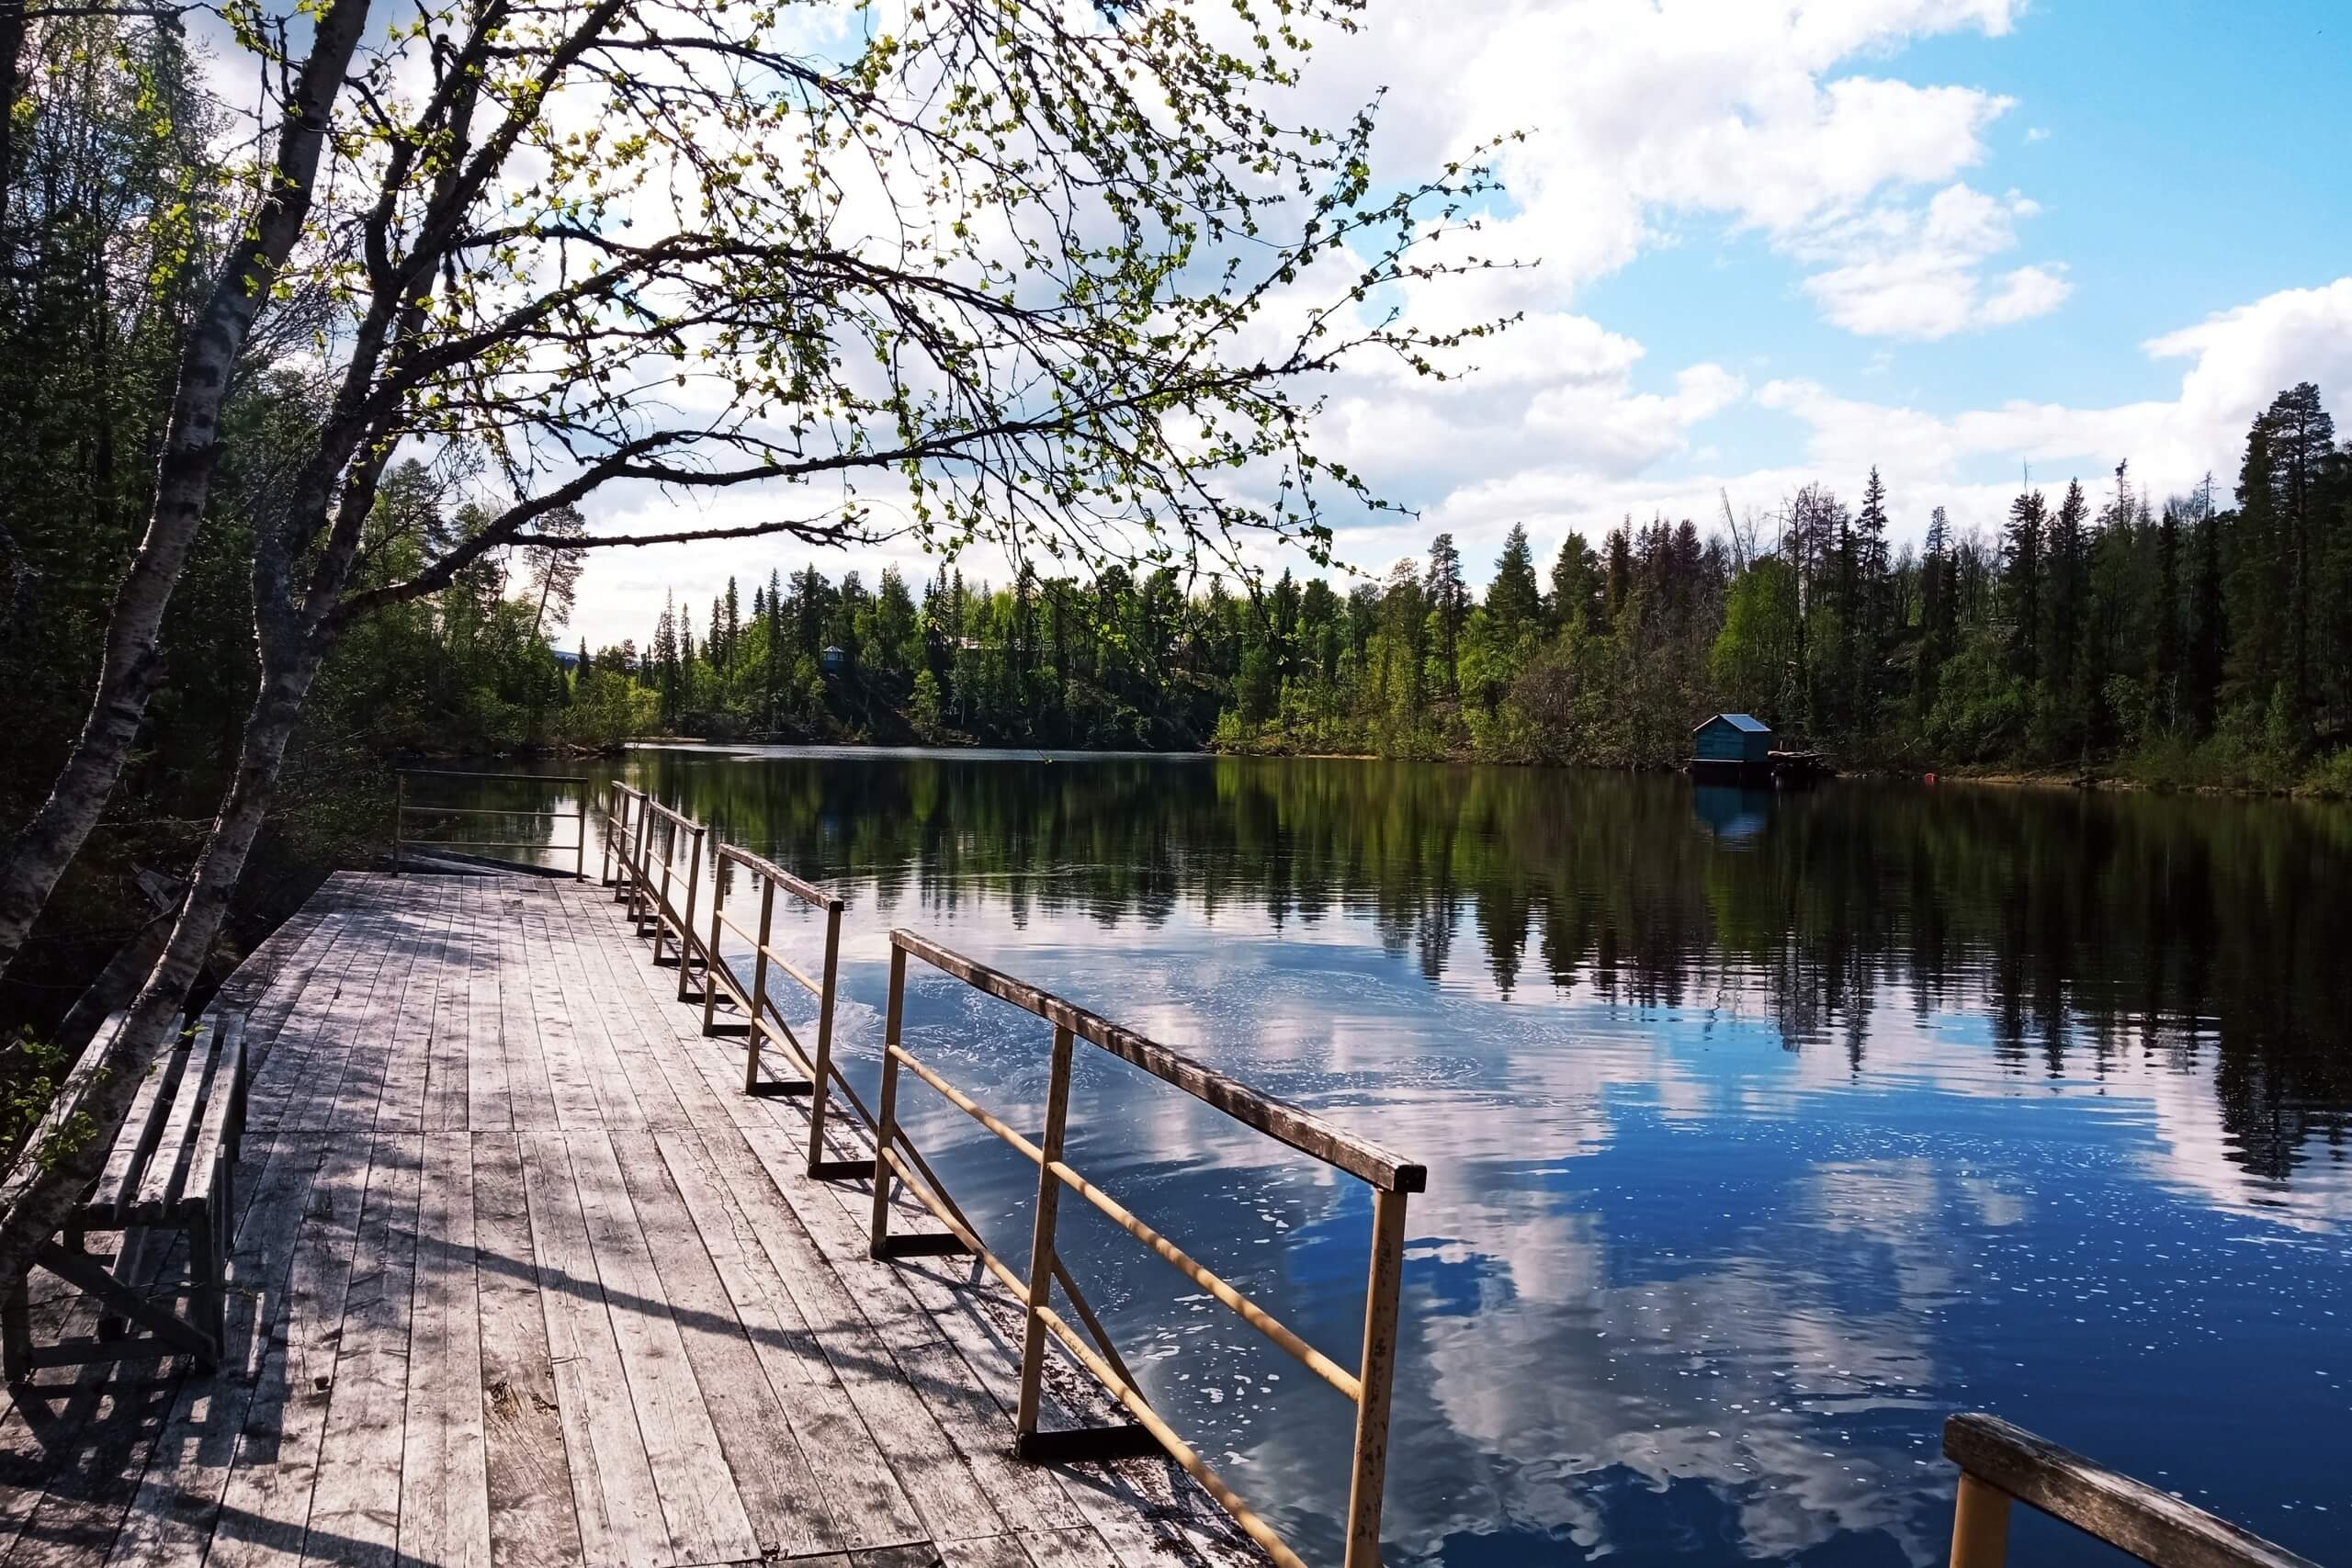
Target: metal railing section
pixel 2000 1464
pixel 403 810
pixel 644 843
pixel 1367 1385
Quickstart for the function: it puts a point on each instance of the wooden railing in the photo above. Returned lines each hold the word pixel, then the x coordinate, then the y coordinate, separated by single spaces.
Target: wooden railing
pixel 763 1024
pixel 647 837
pixel 1391 1179
pixel 643 845
pixel 2000 1464
pixel 403 810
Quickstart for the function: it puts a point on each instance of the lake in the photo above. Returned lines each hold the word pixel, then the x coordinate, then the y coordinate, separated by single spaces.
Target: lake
pixel 1763 1130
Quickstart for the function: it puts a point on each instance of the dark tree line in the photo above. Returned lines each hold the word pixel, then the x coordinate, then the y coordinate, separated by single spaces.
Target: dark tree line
pixel 2183 639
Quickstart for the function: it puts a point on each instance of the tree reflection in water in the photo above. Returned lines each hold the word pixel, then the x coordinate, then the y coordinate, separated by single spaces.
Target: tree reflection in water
pixel 1764 1130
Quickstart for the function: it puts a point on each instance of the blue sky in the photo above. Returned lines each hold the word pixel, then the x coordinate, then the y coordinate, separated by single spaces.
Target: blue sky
pixel 1782 241
pixel 2185 158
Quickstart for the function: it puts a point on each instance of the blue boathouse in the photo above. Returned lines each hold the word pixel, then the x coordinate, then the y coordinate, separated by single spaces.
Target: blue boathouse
pixel 1737 738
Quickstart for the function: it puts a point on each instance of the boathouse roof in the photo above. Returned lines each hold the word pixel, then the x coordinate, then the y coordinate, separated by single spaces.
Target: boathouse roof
pixel 1748 723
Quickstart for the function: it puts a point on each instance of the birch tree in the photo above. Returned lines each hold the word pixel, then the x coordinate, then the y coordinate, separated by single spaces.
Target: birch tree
pixel 954 270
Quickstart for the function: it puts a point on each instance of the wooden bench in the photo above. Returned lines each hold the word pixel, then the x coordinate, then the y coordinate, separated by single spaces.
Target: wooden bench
pixel 167 1179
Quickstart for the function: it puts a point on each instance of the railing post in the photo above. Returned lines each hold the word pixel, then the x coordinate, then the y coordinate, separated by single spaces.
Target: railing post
pixel 1041 1238
pixel 605 865
pixel 1376 1372
pixel 686 919
pixel 758 989
pixel 580 838
pixel 661 900
pixel 400 803
pixel 1980 1524
pixel 623 880
pixel 886 1110
pixel 824 1066
pixel 710 957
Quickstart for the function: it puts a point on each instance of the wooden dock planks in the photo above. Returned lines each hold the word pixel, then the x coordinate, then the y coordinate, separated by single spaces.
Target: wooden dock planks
pixel 524 1280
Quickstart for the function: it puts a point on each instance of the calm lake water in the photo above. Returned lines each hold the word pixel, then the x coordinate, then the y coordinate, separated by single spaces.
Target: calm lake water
pixel 1763 1132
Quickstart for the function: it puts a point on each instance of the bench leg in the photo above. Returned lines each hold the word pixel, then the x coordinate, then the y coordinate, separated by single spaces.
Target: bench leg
pixel 129 1259
pixel 204 1303
pixel 16 1333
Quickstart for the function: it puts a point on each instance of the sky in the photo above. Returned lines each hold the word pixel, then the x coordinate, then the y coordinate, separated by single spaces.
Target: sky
pixel 1779 241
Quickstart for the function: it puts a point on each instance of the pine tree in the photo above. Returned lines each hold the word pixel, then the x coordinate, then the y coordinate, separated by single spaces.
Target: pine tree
pixel 2021 581
pixel 2065 612
pixel 2164 654
pixel 1938 614
pixel 1574 586
pixel 2257 581
pixel 1514 603
pixel 1449 604
pixel 1871 611
pixel 2203 657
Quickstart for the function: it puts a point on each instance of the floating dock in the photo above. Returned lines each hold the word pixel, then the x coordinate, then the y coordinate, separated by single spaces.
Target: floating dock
pixel 522 1276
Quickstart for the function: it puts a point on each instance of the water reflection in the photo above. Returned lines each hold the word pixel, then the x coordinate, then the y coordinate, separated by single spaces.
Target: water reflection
pixel 1764 1129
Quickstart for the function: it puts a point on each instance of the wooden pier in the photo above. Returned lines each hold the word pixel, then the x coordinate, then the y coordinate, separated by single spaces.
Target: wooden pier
pixel 522 1276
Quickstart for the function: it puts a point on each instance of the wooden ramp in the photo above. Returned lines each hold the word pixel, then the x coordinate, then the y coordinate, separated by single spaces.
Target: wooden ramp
pixel 521 1278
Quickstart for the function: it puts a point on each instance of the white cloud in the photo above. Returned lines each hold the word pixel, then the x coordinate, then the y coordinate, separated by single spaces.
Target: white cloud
pixel 2242 358
pixel 1641 113
pixel 1918 272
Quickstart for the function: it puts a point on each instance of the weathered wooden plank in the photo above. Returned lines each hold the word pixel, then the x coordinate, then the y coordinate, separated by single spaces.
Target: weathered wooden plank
pixel 444 1481
pixel 141 1129
pixel 984 1551
pixel 1149 1513
pixel 588 1008
pixel 1026 1496
pixel 159 1180
pixel 269 996
pixel 356 1021
pixel 352 960
pixel 612 1479
pixel 277 1462
pixel 447 1063
pixel 359 1097
pixel 172 1520
pixel 575 1101
pixel 530 1094
pixel 354 1507
pixel 106 1418
pixel 855 1481
pixel 635 1029
pixel 401 1107
pixel 950 1500
pixel 707 1518
pixel 2146 1521
pixel 532 1522
pixel 773 1478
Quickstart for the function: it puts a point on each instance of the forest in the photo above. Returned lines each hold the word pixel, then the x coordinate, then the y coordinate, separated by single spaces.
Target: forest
pixel 2101 631
pixel 2197 640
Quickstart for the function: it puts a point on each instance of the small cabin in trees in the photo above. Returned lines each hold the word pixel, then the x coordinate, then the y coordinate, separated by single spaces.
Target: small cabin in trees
pixel 834 660
pixel 1732 744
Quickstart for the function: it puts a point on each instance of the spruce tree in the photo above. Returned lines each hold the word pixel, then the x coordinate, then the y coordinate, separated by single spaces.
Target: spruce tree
pixel 1514 601
pixel 2203 658
pixel 2021 581
pixel 1448 598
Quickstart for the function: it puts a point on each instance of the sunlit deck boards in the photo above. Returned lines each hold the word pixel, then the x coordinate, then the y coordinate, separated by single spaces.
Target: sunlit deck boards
pixel 519 1278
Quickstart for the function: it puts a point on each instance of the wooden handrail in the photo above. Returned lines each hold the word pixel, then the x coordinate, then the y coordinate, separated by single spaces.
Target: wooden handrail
pixel 2000 1463
pixel 402 809
pixel 1278 1119
pixel 507 778
pixel 1391 1178
pixel 807 893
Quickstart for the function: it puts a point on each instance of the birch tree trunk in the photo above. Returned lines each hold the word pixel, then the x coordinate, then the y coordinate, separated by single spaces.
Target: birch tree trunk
pixel 134 658
pixel 50 1176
